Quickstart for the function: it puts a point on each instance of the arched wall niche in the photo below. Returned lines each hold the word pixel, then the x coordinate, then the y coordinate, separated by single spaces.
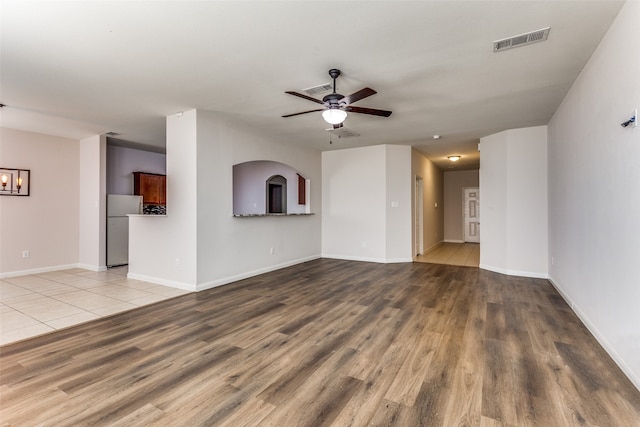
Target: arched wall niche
pixel 251 189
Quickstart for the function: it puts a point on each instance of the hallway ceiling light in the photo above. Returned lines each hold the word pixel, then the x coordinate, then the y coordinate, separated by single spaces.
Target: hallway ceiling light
pixel 454 158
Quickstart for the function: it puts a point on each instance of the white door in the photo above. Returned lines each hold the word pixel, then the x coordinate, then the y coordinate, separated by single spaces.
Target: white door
pixel 472 215
pixel 419 217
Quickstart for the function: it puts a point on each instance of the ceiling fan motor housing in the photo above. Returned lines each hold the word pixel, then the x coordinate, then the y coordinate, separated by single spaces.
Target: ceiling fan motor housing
pixel 333 100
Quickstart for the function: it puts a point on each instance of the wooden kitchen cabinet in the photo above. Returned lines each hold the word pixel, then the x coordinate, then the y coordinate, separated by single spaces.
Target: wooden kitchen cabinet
pixel 152 187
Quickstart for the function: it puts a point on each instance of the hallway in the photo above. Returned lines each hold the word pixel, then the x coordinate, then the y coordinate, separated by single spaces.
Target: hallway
pixel 462 254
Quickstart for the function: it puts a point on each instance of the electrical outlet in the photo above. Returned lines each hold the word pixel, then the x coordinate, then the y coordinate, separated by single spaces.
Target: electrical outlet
pixel 26 254
pixel 272 251
pixel 177 262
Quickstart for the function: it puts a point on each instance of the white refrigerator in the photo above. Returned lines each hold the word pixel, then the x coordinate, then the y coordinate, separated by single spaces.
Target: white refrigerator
pixel 118 206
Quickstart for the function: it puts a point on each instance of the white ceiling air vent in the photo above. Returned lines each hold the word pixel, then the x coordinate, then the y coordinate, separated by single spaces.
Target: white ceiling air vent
pixel 521 40
pixel 343 132
pixel 327 87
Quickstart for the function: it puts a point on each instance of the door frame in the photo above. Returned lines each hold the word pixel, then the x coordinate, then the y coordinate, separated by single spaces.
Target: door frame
pixel 419 216
pixel 276 181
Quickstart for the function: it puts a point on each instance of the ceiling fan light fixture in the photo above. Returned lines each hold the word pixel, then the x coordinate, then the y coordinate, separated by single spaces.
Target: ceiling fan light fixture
pixel 454 158
pixel 334 116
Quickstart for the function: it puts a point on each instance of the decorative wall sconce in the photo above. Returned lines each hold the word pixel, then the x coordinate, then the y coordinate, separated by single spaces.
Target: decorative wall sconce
pixel 14 182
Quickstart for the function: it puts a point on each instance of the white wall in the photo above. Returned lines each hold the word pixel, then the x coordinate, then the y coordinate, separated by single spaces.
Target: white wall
pixel 46 222
pixel 594 194
pixel 513 206
pixel 454 183
pixel 163 249
pixel 353 204
pixel 358 219
pixel 527 202
pixel 493 202
pixel 93 203
pixel 230 248
pixel 123 161
pixel 211 246
pixel 399 204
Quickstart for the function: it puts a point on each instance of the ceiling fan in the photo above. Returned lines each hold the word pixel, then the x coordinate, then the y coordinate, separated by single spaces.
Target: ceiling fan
pixel 336 105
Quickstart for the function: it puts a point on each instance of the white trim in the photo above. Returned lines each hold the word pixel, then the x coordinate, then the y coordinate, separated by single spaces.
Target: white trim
pixel 453 241
pixel 93 267
pixel 368 259
pixel 353 258
pixel 218 282
pixel 597 335
pixel 164 282
pixel 531 274
pixel 231 279
pixel 398 260
pixel 38 270
pixel 418 225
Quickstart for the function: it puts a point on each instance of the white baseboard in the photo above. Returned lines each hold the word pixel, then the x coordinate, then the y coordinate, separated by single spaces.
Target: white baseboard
pixel 235 278
pixel 38 270
pixel 398 260
pixel 218 282
pixel 368 259
pixel 93 267
pixel 597 335
pixel 532 274
pixel 164 282
pixel 453 241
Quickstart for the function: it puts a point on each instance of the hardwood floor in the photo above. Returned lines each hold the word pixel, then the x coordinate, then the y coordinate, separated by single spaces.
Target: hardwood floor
pixel 463 254
pixel 327 342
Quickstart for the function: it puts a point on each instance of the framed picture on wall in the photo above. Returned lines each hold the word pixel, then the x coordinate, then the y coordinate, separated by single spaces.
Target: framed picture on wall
pixel 15 182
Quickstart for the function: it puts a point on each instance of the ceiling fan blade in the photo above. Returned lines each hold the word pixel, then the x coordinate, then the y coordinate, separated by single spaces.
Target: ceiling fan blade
pixel 357 96
pixel 304 112
pixel 371 111
pixel 305 97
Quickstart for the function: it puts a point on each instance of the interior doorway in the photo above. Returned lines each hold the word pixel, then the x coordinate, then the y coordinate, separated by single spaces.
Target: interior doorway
pixel 471 215
pixel 419 216
pixel 277 195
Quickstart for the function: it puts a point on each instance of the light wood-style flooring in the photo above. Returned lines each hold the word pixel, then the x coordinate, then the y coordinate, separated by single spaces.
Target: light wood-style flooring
pixel 327 342
pixel 464 254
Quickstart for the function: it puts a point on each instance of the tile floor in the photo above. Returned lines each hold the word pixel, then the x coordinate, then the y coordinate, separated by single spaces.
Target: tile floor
pixel 465 254
pixel 40 303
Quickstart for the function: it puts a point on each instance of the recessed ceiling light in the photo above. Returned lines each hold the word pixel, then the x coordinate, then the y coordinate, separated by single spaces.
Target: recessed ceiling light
pixel 454 158
pixel 436 137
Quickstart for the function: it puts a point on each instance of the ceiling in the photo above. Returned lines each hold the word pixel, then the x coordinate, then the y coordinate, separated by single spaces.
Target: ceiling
pixel 77 69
